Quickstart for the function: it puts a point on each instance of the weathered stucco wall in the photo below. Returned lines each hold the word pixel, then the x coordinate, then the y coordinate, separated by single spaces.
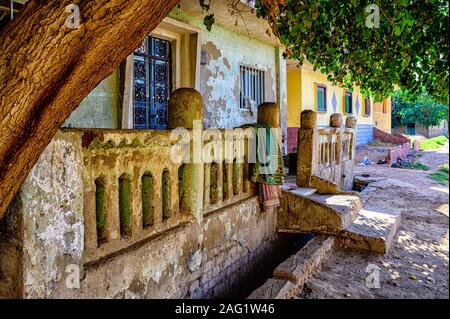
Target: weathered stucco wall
pixel 199 260
pixel 225 51
pixel 294 95
pixel 50 206
pixel 334 93
pixel 432 131
pixel 205 257
pixel 382 115
pixel 101 108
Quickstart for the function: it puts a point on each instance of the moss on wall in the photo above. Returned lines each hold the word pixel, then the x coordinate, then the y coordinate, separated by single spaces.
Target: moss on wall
pixel 147 200
pixel 125 205
pixel 165 189
pixel 100 209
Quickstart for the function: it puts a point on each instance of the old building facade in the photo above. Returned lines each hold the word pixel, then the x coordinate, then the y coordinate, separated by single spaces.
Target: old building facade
pixel 106 212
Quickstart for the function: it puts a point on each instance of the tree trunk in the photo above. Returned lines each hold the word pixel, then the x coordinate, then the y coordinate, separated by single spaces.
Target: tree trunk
pixel 46 69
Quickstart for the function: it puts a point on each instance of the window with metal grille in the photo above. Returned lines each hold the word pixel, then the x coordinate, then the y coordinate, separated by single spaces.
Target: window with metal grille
pixel 152 83
pixel 253 84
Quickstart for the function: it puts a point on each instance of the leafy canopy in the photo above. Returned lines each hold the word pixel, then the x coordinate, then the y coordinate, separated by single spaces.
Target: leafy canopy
pixel 409 49
pixel 423 109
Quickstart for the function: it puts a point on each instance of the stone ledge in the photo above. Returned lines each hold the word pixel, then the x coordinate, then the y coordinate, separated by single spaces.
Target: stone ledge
pixel 274 289
pixel 322 214
pixel 301 265
pixel 372 230
pixel 291 275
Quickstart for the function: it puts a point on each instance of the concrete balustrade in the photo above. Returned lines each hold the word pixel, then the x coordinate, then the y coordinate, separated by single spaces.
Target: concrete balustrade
pixel 326 153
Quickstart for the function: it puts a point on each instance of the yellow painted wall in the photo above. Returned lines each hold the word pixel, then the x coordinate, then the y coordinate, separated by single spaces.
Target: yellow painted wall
pixel 310 78
pixel 294 97
pixel 382 120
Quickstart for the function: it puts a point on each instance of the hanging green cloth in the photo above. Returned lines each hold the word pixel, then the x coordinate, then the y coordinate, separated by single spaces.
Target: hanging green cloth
pixel 269 166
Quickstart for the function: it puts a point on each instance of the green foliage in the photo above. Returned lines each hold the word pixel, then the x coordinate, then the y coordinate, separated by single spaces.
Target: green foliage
pixel 433 143
pixel 440 176
pixel 418 166
pixel 422 109
pixel 409 49
pixel 444 168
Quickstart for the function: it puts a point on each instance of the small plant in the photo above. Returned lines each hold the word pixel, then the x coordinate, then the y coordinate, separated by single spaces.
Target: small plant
pixel 444 168
pixel 441 176
pixel 418 166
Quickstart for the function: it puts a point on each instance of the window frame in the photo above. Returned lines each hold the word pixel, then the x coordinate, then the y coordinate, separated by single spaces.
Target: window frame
pixel 257 85
pixel 367 102
pixel 319 86
pixel 348 93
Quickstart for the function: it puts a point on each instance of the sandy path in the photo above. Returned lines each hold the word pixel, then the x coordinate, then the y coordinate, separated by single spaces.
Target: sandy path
pixel 417 264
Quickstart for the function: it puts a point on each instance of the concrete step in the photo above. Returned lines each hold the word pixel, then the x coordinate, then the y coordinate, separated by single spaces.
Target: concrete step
pixel 371 230
pixel 299 190
pixel 317 213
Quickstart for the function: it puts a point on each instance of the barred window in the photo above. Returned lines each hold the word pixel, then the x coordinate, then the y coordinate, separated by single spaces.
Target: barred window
pixel 252 83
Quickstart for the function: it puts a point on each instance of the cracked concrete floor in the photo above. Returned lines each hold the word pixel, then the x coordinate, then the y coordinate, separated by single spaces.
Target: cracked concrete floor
pixel 417 264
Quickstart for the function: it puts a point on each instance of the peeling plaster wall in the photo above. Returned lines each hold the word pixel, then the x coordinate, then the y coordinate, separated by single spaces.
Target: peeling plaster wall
pixel 50 206
pixel 200 260
pixel 205 258
pixel 101 108
pixel 225 51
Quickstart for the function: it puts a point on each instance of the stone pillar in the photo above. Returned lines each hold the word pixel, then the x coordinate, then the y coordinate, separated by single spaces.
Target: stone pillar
pixel 185 107
pixel 336 120
pixel 307 144
pixel 349 166
pixel 186 111
pixel 269 113
pixel 350 122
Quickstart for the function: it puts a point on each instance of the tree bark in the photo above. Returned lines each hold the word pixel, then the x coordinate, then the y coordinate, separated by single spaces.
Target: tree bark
pixel 46 69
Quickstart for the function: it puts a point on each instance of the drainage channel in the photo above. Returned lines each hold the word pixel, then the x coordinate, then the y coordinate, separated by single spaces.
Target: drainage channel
pixel 285 246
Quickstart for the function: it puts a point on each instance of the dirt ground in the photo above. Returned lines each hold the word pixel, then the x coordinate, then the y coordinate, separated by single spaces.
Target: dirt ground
pixel 417 264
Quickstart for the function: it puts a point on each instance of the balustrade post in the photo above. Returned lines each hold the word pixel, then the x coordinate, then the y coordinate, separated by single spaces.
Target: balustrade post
pixel 350 123
pixel 336 122
pixel 307 144
pixel 269 113
pixel 186 111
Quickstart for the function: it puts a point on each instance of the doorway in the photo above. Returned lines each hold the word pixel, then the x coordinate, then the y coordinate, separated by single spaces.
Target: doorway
pixel 411 129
